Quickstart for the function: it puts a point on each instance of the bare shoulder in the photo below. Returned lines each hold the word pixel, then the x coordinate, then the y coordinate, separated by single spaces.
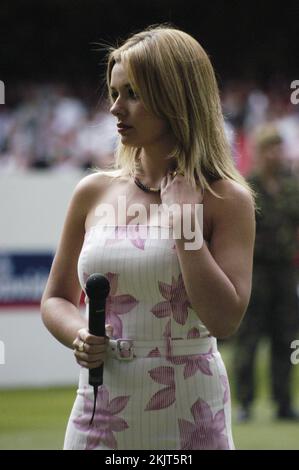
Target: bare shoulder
pixel 93 182
pixel 91 187
pixel 231 190
pixel 234 200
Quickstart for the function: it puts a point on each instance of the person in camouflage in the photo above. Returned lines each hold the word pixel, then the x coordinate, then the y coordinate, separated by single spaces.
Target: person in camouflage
pixel 273 309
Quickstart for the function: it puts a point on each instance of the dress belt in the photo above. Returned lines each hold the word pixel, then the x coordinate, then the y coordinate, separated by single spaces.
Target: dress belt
pixel 125 349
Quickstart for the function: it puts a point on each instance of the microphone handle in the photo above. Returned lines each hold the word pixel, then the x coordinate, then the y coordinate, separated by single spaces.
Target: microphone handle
pixel 96 326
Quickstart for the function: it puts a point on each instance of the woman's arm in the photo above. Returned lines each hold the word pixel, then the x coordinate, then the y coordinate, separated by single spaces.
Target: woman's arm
pixel 60 300
pixel 218 278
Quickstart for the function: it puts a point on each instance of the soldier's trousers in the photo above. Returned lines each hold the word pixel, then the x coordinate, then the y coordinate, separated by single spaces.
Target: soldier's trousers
pixel 273 313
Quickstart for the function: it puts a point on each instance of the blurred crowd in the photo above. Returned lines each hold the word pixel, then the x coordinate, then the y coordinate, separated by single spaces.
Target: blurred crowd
pixel 52 126
pixel 248 108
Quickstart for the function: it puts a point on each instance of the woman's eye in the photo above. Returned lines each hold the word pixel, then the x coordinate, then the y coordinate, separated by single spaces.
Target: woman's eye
pixel 132 94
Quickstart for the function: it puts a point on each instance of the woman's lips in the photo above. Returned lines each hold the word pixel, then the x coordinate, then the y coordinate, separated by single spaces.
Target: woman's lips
pixel 122 128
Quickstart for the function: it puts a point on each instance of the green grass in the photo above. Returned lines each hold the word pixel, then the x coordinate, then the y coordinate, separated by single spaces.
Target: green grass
pixel 36 419
pixel 263 431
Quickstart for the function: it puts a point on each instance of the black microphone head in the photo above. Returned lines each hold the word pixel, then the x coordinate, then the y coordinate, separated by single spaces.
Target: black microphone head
pixel 97 286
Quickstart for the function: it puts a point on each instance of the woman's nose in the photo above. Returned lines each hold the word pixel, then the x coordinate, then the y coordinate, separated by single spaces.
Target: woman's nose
pixel 117 108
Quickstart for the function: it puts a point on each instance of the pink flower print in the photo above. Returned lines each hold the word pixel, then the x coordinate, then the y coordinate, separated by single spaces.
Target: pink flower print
pixel 166 396
pixel 193 333
pixel 154 353
pixel 207 430
pixel 225 384
pixel 167 330
pixel 105 421
pixel 176 302
pixel 118 235
pixel 117 305
pixel 132 232
pixel 137 235
pixel 194 362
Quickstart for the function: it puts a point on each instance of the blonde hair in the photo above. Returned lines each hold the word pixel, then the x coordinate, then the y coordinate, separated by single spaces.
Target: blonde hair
pixel 174 78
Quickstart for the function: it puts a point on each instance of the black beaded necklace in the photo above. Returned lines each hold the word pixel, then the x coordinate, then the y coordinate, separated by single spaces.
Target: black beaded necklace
pixel 146 189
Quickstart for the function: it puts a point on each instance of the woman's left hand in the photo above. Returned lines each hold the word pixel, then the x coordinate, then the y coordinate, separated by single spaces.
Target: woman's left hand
pixel 176 190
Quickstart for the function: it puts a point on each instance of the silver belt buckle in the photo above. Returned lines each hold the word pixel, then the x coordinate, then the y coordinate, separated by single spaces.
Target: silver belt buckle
pixel 124 349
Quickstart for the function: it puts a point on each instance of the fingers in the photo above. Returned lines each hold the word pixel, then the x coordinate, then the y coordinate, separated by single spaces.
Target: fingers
pixel 90 361
pixel 163 183
pixel 171 175
pixel 94 348
pixel 90 350
pixel 109 331
pixel 88 357
pixel 91 364
pixel 88 338
pixel 166 181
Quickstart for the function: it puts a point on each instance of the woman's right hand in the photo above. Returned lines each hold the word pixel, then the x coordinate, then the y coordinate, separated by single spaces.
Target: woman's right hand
pixel 90 350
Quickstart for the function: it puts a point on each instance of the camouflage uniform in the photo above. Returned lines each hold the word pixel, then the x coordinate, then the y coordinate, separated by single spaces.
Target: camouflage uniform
pixel 273 309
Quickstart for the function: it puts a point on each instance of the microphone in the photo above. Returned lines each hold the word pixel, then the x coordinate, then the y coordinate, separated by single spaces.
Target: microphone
pixel 97 290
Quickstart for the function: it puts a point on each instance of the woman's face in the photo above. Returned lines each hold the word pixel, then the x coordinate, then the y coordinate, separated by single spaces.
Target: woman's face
pixel 137 127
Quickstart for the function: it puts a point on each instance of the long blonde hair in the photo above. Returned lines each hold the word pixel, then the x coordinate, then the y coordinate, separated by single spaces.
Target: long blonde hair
pixel 174 78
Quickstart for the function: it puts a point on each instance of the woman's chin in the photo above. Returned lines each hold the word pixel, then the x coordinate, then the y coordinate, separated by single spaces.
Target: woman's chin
pixel 128 142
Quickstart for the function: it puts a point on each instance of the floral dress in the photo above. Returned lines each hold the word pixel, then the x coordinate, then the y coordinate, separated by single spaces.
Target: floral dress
pixel 172 392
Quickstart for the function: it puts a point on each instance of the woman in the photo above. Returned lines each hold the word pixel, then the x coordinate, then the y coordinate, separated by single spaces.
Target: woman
pixel 168 302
